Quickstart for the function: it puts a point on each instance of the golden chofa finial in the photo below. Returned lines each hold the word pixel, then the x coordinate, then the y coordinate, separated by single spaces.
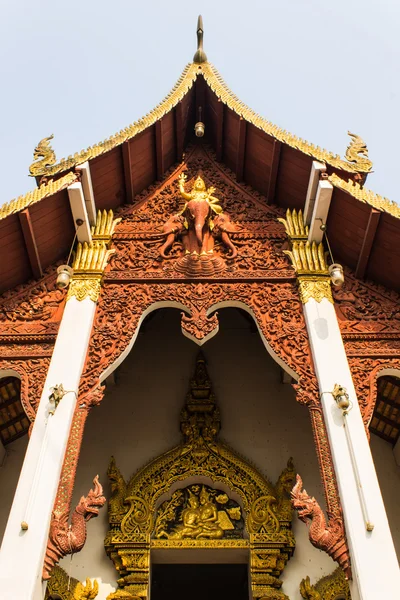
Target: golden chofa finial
pixel 357 153
pixel 44 157
pixel 200 56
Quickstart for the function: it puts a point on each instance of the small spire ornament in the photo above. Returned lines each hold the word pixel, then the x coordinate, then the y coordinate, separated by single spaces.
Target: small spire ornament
pixel 200 56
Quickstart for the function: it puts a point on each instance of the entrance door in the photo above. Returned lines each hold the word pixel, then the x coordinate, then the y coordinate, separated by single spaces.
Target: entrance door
pixel 199 582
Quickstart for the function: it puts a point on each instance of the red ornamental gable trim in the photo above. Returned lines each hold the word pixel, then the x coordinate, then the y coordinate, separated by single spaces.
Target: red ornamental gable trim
pixel 37 303
pixel 369 319
pixel 365 372
pixel 278 313
pixel 30 316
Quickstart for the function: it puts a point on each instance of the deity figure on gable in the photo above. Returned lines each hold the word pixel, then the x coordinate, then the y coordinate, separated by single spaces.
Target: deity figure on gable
pixel 199 224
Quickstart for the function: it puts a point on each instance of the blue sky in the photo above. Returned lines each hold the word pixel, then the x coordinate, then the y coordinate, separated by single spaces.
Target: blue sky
pixel 83 69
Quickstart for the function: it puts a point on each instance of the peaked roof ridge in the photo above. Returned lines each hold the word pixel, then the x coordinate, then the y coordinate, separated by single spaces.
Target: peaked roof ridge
pixel 180 89
pixel 223 92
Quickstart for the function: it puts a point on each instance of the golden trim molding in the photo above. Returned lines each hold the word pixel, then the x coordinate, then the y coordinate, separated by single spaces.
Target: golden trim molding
pixel 222 91
pixel 45 190
pixel 365 195
pixel 356 150
pixel 167 503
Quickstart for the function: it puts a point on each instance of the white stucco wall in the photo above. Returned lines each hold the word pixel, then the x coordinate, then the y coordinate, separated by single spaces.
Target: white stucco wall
pixel 388 473
pixel 9 473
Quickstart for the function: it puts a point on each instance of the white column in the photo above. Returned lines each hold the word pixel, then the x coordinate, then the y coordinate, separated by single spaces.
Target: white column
pixel 22 552
pixel 373 557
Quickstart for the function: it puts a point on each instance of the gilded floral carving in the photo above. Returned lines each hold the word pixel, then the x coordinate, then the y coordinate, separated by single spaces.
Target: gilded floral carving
pixel 200 515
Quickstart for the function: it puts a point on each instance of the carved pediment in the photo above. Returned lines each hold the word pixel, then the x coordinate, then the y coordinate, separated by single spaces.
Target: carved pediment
pixel 240 236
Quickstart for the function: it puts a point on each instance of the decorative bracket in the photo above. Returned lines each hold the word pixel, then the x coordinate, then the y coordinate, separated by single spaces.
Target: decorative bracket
pixel 92 259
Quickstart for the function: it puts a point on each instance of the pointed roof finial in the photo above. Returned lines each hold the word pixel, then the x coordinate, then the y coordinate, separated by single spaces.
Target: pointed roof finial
pixel 200 56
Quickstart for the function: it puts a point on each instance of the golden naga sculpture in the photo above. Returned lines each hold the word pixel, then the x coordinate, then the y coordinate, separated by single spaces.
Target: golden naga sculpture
pixel 184 499
pixel 44 156
pixel 68 588
pixel 198 226
pixel 357 153
pixel 331 587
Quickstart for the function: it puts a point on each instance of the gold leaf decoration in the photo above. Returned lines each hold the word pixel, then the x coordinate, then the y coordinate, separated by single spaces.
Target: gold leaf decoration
pixel 357 153
pixel 44 191
pixel 222 91
pixel 157 509
pixel 44 156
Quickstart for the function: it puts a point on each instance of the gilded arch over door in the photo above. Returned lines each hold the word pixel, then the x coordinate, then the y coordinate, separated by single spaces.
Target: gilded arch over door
pixel 138 523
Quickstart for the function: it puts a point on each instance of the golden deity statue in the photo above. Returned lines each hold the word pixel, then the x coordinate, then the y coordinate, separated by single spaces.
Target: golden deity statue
pixel 202 517
pixel 199 519
pixel 199 193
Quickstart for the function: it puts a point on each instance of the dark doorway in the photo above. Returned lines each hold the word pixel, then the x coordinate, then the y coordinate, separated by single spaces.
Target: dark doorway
pixel 199 582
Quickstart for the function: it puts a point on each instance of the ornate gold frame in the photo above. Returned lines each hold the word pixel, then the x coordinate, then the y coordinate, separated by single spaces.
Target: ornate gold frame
pixel 133 506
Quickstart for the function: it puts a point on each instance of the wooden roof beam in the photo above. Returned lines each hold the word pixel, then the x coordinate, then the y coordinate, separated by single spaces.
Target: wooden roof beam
pixel 219 149
pixel 241 146
pixel 369 236
pixel 179 132
pixel 79 212
pixel 159 149
pixel 30 243
pixel 273 177
pixel 86 179
pixel 316 169
pixel 128 175
pixel 320 212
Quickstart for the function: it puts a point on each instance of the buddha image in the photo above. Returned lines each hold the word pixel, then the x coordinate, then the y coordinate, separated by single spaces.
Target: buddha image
pixel 203 514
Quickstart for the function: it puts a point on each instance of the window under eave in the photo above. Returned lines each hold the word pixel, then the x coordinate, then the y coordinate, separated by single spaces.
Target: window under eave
pixel 13 421
pixel 385 421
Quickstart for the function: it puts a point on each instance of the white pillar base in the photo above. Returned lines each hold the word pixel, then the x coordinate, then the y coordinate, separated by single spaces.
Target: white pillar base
pixel 373 558
pixel 22 552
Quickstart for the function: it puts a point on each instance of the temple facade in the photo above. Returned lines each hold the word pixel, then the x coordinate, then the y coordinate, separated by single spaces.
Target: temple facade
pixel 200 364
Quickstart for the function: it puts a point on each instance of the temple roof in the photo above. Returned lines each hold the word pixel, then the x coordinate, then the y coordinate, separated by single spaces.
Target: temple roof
pixel 273 161
pixel 215 82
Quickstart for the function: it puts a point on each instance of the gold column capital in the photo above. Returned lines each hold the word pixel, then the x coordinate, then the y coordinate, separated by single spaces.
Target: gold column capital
pixel 314 287
pixel 308 260
pixel 92 258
